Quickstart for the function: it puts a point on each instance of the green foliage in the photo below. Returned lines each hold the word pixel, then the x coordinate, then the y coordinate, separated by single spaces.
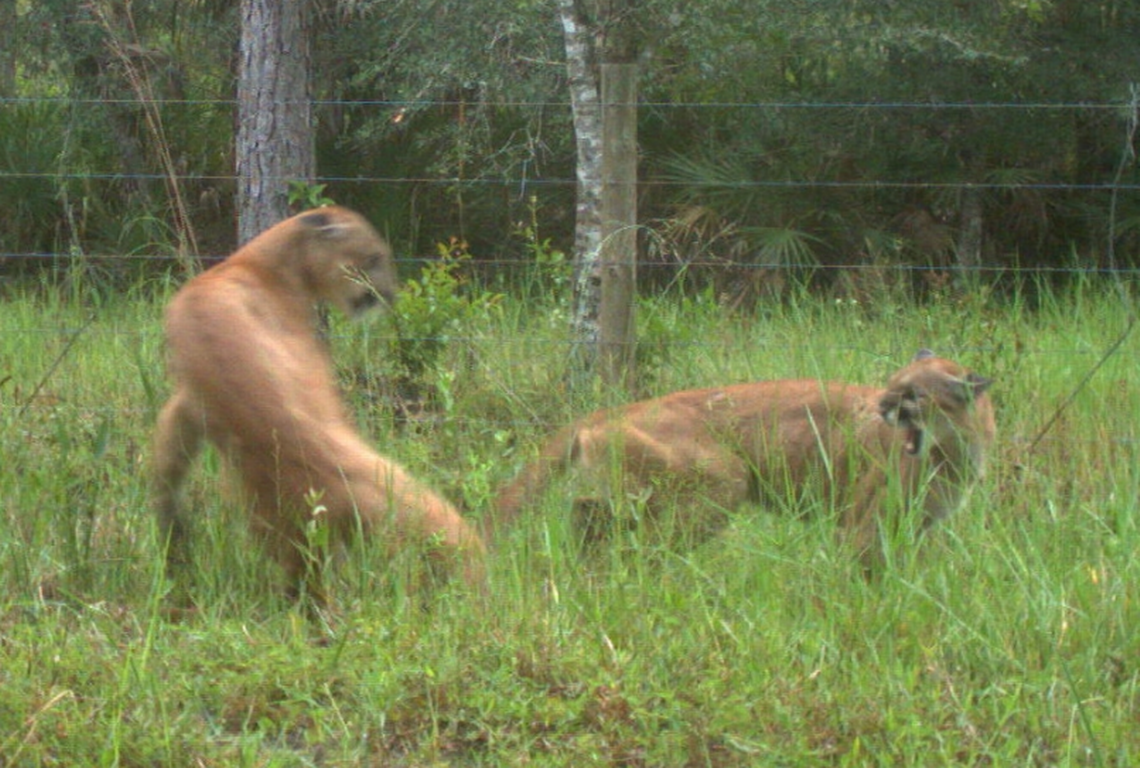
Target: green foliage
pixel 548 266
pixel 846 116
pixel 467 120
pixel 32 137
pixel 762 647
pixel 782 246
pixel 734 654
pixel 304 195
pixel 786 161
pixel 435 308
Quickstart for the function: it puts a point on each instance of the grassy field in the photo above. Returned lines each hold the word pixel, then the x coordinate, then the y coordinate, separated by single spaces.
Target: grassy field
pixel 1013 640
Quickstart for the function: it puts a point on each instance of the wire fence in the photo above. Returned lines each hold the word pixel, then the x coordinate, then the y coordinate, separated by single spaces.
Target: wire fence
pixel 1112 187
pixel 1124 182
pixel 524 182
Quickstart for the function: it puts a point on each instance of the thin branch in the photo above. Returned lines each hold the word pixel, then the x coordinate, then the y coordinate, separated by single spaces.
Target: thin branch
pixel 1127 158
pixel 55 364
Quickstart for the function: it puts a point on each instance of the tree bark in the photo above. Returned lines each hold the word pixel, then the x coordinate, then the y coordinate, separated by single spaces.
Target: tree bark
pixel 585 107
pixel 275 143
pixel 8 38
pixel 969 247
pixel 606 211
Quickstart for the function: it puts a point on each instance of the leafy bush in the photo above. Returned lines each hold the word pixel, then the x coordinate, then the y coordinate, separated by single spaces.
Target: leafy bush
pixel 433 308
pixel 32 137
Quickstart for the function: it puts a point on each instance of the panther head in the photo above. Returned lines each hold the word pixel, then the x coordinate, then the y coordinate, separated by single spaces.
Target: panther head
pixel 933 401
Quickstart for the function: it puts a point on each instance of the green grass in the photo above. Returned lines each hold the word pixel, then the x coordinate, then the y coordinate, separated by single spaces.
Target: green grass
pixel 1011 641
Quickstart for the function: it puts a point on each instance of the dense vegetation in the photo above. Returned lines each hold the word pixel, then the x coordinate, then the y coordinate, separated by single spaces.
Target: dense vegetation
pixel 832 133
pixel 1011 641
pixel 786 148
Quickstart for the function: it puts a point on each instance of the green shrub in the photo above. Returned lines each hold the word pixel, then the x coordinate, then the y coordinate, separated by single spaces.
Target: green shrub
pixel 435 309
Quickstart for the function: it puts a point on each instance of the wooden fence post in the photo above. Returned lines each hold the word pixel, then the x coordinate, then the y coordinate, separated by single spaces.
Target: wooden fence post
pixel 617 332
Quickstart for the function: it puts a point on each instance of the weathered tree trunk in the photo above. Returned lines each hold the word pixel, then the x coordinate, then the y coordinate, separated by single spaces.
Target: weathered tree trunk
pixel 585 107
pixel 969 246
pixel 8 19
pixel 275 127
pixel 605 240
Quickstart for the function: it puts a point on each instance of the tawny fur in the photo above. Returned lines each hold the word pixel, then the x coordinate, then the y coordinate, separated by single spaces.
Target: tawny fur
pixel 869 452
pixel 252 377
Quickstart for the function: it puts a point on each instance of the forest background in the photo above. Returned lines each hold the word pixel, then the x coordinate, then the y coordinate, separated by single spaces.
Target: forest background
pixel 825 187
pixel 806 134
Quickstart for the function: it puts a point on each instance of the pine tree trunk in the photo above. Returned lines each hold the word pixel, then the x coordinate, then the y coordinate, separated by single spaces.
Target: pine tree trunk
pixel 275 132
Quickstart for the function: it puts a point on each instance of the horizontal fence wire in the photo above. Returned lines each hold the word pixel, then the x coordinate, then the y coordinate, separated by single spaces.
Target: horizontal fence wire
pixel 524 183
pixel 491 263
pixel 9 170
pixel 507 181
pixel 51 404
pixel 556 104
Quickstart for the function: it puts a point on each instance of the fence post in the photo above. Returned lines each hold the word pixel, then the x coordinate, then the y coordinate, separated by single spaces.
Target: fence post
pixel 617 335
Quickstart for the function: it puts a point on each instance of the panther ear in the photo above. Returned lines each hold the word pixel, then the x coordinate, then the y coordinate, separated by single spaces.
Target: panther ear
pixel 979 384
pixel 336 229
pixel 973 386
pixel 325 225
pixel 316 219
pixel 922 354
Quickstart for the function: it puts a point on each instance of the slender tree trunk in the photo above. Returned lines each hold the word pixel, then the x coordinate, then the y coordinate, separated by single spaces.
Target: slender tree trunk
pixel 275 126
pixel 969 246
pixel 8 38
pixel 606 195
pixel 585 106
